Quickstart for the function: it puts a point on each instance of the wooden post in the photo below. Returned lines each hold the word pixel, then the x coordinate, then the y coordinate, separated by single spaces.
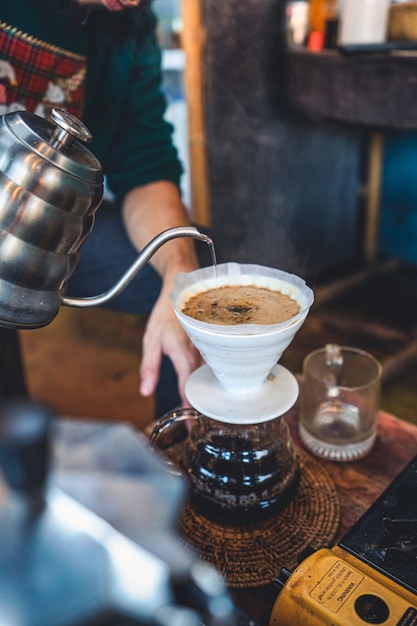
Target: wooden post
pixel 373 196
pixel 193 37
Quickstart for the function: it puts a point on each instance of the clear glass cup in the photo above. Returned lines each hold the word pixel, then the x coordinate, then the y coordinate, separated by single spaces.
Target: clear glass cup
pixel 339 400
pixel 236 472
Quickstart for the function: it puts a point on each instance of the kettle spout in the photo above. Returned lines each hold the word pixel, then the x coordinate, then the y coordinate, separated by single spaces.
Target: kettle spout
pixel 143 258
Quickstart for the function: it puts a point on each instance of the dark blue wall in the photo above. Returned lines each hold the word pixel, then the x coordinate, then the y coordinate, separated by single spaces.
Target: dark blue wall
pixel 398 214
pixel 284 190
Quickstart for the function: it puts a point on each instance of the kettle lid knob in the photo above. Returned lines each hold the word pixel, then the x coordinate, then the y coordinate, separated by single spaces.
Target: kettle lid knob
pixel 68 128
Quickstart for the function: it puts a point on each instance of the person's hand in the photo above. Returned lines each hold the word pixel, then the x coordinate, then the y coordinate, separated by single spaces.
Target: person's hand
pixel 165 336
pixel 148 211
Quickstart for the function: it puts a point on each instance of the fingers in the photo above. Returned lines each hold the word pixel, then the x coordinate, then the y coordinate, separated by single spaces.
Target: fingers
pixel 168 339
pixel 150 363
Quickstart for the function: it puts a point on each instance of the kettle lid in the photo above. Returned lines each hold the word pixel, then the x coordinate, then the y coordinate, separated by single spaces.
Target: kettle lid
pixel 60 143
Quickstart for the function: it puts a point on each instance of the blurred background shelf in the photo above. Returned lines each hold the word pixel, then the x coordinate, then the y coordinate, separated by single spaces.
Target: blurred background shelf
pixel 376 90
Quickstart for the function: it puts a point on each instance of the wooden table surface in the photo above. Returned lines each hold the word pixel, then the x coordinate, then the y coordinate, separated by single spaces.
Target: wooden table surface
pixel 358 484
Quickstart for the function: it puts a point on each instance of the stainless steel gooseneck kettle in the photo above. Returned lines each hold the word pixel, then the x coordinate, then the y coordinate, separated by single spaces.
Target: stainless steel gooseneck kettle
pixel 50 188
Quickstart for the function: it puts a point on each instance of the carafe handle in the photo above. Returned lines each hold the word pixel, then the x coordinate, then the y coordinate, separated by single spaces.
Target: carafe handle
pixel 170 429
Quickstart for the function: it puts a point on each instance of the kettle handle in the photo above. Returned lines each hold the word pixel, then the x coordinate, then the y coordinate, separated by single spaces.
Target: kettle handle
pixel 148 251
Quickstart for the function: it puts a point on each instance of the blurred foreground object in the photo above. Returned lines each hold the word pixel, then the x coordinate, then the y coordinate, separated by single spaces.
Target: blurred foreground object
pixel 87 529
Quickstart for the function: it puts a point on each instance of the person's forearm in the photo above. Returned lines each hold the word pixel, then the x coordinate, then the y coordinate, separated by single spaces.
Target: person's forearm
pixel 148 211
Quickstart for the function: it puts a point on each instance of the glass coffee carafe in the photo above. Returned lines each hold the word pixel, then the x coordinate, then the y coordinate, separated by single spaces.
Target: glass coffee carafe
pixel 235 471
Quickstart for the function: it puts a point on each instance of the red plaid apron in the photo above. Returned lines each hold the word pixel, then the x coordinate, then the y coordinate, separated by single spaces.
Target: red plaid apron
pixel 37 76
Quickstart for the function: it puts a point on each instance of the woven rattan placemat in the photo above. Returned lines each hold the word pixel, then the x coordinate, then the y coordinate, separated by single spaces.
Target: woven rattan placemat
pixel 251 555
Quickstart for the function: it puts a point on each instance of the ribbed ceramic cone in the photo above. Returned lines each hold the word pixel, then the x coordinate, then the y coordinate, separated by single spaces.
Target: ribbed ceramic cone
pixel 241 356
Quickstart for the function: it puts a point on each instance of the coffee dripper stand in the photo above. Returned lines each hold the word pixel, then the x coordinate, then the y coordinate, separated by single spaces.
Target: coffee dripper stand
pixel 234 445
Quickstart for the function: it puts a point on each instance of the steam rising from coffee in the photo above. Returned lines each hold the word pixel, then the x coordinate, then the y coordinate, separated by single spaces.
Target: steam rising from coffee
pixel 279 185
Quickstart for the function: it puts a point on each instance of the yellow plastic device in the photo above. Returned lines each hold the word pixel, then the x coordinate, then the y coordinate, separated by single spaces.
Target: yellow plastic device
pixel 333 588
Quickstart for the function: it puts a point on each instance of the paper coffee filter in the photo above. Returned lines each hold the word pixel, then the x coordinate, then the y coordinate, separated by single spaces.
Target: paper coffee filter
pixel 189 284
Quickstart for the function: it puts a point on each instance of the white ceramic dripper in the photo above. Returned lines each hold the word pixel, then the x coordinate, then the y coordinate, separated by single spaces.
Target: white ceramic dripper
pixel 242 358
pixel 238 454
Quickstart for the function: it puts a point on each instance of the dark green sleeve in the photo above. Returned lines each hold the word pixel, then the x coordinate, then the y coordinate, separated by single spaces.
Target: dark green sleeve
pixel 130 136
